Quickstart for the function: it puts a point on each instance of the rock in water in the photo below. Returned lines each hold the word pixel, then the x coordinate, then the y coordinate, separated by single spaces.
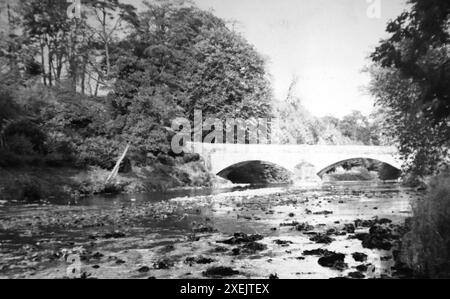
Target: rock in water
pixel 318 252
pixel 359 257
pixel 144 269
pixel 302 227
pixel 322 239
pixel 283 242
pixel 252 247
pixel 362 268
pixel 356 275
pixel 332 260
pixel 349 228
pixel 114 235
pixel 273 276
pixel 220 272
pixel 198 260
pixel 163 264
pixel 240 238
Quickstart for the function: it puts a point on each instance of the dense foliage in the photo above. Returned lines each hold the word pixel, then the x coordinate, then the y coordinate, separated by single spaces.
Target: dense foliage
pixel 426 246
pixel 297 125
pixel 164 63
pixel 77 91
pixel 180 59
pixel 410 79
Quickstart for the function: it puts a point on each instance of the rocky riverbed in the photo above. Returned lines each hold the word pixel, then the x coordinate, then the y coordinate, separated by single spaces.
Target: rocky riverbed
pixel 331 231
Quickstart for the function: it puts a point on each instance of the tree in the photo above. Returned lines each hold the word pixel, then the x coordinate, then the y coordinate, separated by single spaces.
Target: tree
pixel 330 133
pixel 11 59
pixel 107 19
pixel 179 59
pixel 421 141
pixel 296 124
pixel 410 81
pixel 47 29
pixel 356 127
pixel 418 48
pixel 78 49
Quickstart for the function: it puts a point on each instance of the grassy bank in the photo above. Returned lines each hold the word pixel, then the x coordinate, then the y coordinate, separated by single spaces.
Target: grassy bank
pixel 426 248
pixel 38 183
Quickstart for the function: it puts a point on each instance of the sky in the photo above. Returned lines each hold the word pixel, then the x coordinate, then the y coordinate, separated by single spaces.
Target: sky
pixel 324 43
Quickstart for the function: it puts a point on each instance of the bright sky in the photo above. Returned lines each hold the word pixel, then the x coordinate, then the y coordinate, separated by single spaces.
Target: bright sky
pixel 325 43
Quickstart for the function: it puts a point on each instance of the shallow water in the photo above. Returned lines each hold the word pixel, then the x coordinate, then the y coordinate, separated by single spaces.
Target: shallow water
pixel 36 239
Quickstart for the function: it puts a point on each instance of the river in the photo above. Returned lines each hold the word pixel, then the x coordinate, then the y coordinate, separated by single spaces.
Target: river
pixel 189 233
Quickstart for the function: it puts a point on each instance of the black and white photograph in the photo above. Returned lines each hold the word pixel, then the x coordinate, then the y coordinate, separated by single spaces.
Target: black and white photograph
pixel 204 141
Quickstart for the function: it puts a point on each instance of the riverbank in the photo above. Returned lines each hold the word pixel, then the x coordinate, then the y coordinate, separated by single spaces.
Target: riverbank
pixel 339 231
pixel 31 184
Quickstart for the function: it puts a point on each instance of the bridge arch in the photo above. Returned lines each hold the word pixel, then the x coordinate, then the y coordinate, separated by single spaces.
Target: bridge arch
pixel 220 157
pixel 326 169
pixel 255 172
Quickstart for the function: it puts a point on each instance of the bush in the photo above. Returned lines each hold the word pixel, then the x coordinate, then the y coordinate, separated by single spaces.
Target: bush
pixel 60 151
pixel 188 158
pixel 20 145
pixel 353 174
pixel 412 180
pixel 8 108
pixel 25 129
pixel 426 248
pixel 98 151
pixel 24 188
pixel 31 191
pixel 9 159
pixel 387 172
pixel 166 160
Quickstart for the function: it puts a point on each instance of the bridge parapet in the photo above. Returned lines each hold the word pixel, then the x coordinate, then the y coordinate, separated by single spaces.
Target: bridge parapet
pixel 222 156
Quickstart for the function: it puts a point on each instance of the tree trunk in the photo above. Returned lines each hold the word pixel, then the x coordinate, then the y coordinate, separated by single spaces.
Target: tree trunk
pixel 115 171
pixel 108 63
pixel 83 87
pixel 83 76
pixel 97 84
pixel 50 63
pixel 106 41
pixel 44 75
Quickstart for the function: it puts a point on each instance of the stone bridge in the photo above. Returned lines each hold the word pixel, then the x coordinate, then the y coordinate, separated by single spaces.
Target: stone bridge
pixel 222 158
